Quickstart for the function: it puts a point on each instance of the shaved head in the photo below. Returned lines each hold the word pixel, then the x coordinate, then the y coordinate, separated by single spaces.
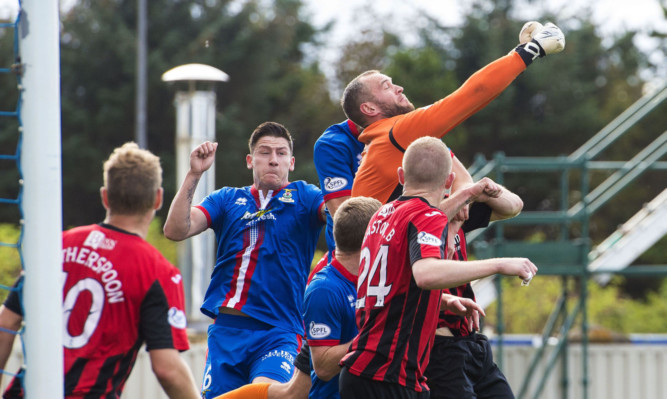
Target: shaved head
pixel 427 163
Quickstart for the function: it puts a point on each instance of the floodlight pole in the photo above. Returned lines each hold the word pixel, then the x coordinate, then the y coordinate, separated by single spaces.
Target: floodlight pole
pixel 41 157
pixel 141 136
pixel 195 123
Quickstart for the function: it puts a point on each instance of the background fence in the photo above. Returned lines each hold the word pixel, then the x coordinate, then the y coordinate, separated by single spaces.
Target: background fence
pixel 616 371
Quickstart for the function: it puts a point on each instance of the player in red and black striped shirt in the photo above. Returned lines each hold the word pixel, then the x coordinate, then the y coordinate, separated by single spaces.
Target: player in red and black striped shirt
pixel 119 292
pixel 403 268
pixel 461 360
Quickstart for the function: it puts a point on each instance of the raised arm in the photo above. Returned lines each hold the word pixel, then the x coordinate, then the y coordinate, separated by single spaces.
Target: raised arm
pixel 183 220
pixel 506 205
pixel 480 191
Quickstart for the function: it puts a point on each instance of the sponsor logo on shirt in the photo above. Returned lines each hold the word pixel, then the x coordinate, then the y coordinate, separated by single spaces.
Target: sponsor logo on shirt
pixel 241 201
pixel 428 239
pixel 319 330
pixel 263 214
pixel 387 210
pixel 434 213
pixel 176 318
pixel 334 183
pixel 289 358
pixel 352 300
pixel 176 279
pixel 287 196
pixel 97 239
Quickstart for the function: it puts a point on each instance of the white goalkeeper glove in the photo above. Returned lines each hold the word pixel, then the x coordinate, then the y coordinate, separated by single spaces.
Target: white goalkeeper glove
pixel 538 40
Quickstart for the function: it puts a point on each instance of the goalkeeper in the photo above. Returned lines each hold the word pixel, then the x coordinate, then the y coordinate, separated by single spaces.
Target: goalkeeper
pixel 390 122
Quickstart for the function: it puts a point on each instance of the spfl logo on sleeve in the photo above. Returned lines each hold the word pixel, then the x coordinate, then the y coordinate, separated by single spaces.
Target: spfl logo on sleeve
pixel 334 183
pixel 428 239
pixel 319 330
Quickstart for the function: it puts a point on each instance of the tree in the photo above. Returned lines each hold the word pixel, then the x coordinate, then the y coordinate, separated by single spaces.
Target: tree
pixel 260 47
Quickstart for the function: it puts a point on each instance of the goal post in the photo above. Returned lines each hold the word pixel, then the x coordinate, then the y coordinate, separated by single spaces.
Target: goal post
pixel 39 44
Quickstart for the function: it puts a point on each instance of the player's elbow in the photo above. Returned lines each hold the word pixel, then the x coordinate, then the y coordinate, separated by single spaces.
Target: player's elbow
pixel 324 373
pixel 515 208
pixel 173 233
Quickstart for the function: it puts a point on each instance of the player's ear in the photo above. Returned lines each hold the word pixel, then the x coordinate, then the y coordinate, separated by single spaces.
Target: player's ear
pixel 248 161
pixel 369 109
pixel 450 180
pixel 401 175
pixel 159 197
pixel 291 165
pixel 104 196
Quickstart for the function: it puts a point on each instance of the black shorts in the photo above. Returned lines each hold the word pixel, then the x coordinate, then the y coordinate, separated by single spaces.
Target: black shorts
pixel 463 367
pixel 354 387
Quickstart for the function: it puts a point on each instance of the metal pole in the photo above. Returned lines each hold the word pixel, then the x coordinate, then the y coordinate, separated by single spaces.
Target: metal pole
pixel 140 130
pixel 41 156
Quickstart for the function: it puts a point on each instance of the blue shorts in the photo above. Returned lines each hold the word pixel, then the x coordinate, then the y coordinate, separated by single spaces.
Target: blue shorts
pixel 241 349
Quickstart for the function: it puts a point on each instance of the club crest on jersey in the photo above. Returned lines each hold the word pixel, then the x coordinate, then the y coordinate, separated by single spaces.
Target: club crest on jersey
pixel 334 183
pixel 241 201
pixel 287 196
pixel 428 239
pixel 97 239
pixel 318 330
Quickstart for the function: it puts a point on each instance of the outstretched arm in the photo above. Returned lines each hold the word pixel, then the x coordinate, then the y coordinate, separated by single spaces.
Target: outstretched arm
pixel 183 220
pixel 433 274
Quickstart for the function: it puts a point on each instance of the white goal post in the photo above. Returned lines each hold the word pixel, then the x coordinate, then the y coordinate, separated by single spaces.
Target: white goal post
pixel 39 46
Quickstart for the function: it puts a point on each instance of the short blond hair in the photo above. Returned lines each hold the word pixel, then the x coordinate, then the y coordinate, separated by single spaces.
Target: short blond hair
pixel 132 177
pixel 427 162
pixel 351 220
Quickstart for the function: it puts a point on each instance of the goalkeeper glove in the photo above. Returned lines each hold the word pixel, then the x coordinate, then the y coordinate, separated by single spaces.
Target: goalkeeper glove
pixel 537 40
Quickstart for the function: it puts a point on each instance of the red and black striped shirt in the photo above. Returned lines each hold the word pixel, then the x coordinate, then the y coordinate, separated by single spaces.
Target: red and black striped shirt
pixel 396 318
pixel 479 216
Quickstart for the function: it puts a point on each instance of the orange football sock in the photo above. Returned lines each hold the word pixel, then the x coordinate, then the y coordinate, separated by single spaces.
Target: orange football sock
pixel 250 391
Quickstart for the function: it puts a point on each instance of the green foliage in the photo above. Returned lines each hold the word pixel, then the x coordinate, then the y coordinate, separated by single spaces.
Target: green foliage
pixel 526 309
pixel 10 261
pixel 157 239
pixel 262 46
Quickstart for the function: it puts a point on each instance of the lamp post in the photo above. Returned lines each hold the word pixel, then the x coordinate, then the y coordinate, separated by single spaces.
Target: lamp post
pixel 195 123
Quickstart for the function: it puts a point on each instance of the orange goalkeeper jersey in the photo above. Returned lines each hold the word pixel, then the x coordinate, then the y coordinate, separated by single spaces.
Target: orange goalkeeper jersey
pixel 387 139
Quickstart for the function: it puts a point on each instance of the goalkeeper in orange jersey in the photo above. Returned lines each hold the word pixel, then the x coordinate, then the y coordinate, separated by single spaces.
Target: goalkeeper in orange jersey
pixel 390 122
